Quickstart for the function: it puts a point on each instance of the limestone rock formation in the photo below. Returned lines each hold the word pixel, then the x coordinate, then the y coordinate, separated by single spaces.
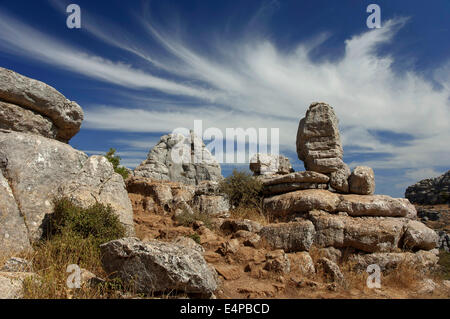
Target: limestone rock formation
pixel 291 237
pixel 182 159
pixel 39 169
pixel 319 144
pixel 11 284
pixel 362 181
pixel 156 195
pixel 279 184
pixel 159 267
pixel 430 191
pixel 354 205
pixel 269 164
pixel 35 107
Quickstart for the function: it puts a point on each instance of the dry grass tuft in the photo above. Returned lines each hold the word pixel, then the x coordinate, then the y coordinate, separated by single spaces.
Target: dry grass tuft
pixel 249 213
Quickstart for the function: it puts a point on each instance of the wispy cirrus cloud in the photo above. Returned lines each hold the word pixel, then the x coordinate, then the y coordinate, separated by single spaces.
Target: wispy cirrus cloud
pixel 250 82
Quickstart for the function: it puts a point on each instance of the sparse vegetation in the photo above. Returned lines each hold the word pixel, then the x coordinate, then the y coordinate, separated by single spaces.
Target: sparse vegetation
pixel 195 237
pixel 115 161
pixel 444 262
pixel 187 219
pixel 242 189
pixel 73 236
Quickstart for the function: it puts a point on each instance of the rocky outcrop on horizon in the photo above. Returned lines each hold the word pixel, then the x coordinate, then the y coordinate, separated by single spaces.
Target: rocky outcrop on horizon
pixel 430 191
pixel 180 158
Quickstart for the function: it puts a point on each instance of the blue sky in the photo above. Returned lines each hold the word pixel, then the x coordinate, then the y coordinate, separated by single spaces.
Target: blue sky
pixel 144 68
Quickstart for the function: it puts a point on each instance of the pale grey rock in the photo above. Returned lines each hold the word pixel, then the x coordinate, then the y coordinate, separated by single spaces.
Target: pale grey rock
pixel 212 204
pixel 16 118
pixel 269 164
pixel 181 159
pixel 13 232
pixel 370 234
pixel 156 266
pixel 362 181
pixel 291 237
pixel 39 169
pixel 11 284
pixel 16 264
pixel 296 177
pixel 43 99
pixel 339 179
pixel 303 263
pixel 277 189
pixel 318 139
pixel 354 205
pixel 419 237
pixel 97 182
pixel 332 270
pixel 423 260
pixel 426 286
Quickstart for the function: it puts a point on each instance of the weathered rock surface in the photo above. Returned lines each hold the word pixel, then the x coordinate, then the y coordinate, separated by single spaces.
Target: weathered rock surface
pixel 430 191
pixel 362 181
pixel 180 159
pixel 43 99
pixel 13 232
pixel 318 139
pixel 235 225
pixel 291 237
pixel 354 205
pixel 269 164
pixel 339 179
pixel 370 234
pixel 296 177
pixel 331 270
pixel 156 195
pixel 302 261
pixel 418 236
pixel 16 264
pixel 277 189
pixel 158 267
pixel 38 169
pixel 11 284
pixel 277 261
pixel 16 118
pixel 423 260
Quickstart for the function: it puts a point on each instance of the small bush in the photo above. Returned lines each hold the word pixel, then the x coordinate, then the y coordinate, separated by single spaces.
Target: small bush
pixel 74 236
pixel 444 262
pixel 242 189
pixel 195 237
pixel 97 222
pixel 115 161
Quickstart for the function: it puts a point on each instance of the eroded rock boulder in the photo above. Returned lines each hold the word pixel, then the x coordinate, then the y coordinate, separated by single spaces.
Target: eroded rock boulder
pixel 362 181
pixel 180 159
pixel 430 191
pixel 156 266
pixel 291 237
pixel 39 169
pixel 270 164
pixel 48 105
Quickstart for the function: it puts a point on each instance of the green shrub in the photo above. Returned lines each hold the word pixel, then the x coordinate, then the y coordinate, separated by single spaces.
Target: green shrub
pixel 115 161
pixel 195 237
pixel 242 189
pixel 97 222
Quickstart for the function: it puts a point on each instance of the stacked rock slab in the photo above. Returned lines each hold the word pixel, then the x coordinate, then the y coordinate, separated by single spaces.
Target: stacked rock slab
pixel 36 166
pixel 180 158
pixel 365 226
pixel 319 145
pixel 28 105
pixel 270 164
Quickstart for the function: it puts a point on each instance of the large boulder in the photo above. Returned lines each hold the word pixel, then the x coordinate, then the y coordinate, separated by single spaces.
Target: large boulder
pixel 39 169
pixel 48 105
pixel 269 164
pixel 370 234
pixel 418 236
pixel 156 266
pixel 291 237
pixel 354 205
pixel 318 139
pixel 430 191
pixel 182 159
pixel 362 181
